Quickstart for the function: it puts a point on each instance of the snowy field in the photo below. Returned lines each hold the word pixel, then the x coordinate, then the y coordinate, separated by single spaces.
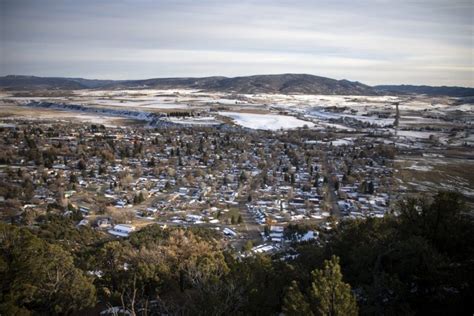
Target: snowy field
pixel 336 113
pixel 266 121
pixel 201 121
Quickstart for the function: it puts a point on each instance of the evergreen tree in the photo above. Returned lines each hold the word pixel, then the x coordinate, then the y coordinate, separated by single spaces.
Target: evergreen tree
pixel 330 295
pixel 151 163
pixel 102 169
pixel 38 277
pixel 73 178
pixel 247 246
pixel 243 176
pixel 266 230
pixel 294 302
pixel 370 187
pixel 81 165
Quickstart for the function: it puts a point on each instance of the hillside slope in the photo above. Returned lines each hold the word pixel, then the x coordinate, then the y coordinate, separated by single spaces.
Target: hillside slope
pixel 285 84
pixel 428 90
pixel 282 84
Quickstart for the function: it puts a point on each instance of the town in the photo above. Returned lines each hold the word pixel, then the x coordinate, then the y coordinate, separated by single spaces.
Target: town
pixel 248 185
pixel 280 158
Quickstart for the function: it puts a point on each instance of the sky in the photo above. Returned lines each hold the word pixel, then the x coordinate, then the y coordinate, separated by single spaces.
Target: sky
pixel 372 41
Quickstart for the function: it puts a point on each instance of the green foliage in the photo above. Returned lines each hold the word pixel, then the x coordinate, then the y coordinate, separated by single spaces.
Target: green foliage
pixel 444 222
pixel 81 164
pixel 293 231
pixel 294 302
pixel 247 246
pixel 262 282
pixel 39 277
pixel 330 296
pixel 167 264
pixel 62 230
pixel 419 262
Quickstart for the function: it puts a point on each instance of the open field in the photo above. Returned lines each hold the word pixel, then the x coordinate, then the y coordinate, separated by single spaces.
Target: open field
pixel 439 126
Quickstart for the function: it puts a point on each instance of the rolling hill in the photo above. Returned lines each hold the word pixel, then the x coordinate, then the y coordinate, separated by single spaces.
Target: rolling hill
pixel 285 84
pixel 281 84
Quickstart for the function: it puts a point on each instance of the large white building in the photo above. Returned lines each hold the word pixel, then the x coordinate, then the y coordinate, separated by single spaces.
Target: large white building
pixel 122 230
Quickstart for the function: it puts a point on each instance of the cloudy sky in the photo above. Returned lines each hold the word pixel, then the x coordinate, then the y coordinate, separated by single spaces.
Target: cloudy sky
pixel 372 41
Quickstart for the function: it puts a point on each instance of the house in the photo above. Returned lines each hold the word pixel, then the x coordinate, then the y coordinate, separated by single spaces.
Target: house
pixel 115 310
pixel 183 191
pixel 120 203
pixel 194 218
pixel 263 248
pixel 276 233
pixel 122 230
pixel 83 222
pixel 103 223
pixel 229 232
pixel 85 210
pixel 69 193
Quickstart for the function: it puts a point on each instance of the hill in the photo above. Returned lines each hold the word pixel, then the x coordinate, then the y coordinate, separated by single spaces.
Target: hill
pixel 13 82
pixel 284 83
pixel 281 83
pixel 428 90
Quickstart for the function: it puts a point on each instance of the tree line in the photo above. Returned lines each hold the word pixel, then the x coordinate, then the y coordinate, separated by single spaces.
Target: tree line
pixel 417 261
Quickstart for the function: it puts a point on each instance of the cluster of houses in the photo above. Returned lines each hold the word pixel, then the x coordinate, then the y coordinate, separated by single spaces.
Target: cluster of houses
pixel 117 176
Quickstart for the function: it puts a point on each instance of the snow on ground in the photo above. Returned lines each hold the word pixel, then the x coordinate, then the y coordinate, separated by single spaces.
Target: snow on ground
pixel 281 100
pixel 138 103
pixel 326 115
pixel 210 120
pixel 342 141
pixel 266 121
pixel 416 134
pixel 418 167
pixel 466 107
pixel 165 106
pixel 336 126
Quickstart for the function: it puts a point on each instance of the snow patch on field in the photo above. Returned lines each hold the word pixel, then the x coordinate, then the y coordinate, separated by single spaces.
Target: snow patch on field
pixel 342 141
pixel 266 121
pixel 418 167
pixel 209 120
pixel 416 134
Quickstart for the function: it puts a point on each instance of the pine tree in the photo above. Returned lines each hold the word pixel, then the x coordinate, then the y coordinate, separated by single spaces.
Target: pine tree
pixel 102 169
pixel 294 302
pixel 151 163
pixel 81 165
pixel 73 178
pixel 330 295
pixel 243 176
pixel 247 247
pixel 266 230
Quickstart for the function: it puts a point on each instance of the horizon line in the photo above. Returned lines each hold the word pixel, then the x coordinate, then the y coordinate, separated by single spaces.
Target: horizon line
pixel 242 76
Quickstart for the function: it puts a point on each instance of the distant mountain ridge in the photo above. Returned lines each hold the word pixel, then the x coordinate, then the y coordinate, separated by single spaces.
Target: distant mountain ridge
pixel 285 84
pixel 14 82
pixel 281 84
pixel 428 90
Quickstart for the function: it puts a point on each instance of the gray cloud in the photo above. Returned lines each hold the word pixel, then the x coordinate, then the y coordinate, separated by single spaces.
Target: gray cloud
pixel 373 41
